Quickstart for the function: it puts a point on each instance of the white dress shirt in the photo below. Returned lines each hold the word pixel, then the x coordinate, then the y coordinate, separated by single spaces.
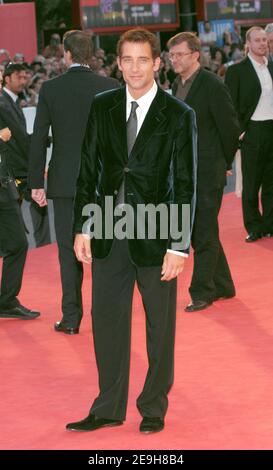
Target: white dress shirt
pixel 205 38
pixel 264 109
pixel 13 96
pixel 144 103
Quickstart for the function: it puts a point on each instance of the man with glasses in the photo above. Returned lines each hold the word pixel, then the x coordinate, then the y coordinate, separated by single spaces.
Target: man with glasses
pixel 217 143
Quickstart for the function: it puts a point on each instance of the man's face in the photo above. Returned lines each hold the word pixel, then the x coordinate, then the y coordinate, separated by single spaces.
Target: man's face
pixel 138 66
pixel 207 27
pixel 94 63
pixel 270 42
pixel 257 43
pixel 17 81
pixel 28 78
pixel 100 53
pixel 182 58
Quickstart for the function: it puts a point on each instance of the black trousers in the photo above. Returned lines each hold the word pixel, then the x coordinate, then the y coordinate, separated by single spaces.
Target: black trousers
pixel 38 215
pixel 112 291
pixel 211 274
pixel 40 221
pixel 257 172
pixel 71 269
pixel 13 247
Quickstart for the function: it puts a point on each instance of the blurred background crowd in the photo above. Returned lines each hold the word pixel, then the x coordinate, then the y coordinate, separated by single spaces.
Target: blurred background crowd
pixel 50 63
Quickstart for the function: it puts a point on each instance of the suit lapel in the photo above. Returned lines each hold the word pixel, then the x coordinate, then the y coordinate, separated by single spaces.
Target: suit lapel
pixel 19 113
pixel 270 68
pixel 197 82
pixel 118 119
pixel 152 121
pixel 251 74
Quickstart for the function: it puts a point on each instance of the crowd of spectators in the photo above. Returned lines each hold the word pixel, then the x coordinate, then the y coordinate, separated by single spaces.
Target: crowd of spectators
pixel 51 63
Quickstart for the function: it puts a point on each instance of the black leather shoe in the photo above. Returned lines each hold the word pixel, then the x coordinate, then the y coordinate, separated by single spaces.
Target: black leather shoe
pixel 253 237
pixel 267 235
pixel 69 331
pixel 150 425
pixel 92 422
pixel 19 312
pixel 197 305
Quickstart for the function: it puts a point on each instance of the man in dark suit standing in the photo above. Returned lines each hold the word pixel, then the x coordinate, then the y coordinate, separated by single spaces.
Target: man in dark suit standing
pixel 251 88
pixel 64 104
pixel 138 152
pixel 217 142
pixel 13 242
pixel 12 116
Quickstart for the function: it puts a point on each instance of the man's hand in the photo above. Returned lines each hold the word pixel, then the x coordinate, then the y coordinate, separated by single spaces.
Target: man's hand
pixel 82 248
pixel 5 134
pixel 172 266
pixel 39 196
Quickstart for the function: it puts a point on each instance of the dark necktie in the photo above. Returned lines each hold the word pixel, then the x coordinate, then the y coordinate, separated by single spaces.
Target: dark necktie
pixel 132 127
pixel 131 137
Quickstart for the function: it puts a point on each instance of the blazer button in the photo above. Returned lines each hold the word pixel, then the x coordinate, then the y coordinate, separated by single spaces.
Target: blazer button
pixel 126 169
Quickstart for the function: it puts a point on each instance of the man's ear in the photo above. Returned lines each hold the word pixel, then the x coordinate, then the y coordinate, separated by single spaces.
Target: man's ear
pixel 119 64
pixel 157 64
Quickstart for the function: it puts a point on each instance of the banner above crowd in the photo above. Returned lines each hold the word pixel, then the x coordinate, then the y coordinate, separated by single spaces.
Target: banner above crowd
pixel 238 9
pixel 102 16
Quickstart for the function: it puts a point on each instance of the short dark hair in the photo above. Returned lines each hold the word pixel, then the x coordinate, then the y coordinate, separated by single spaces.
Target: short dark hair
pixel 193 42
pixel 79 44
pixel 12 68
pixel 140 35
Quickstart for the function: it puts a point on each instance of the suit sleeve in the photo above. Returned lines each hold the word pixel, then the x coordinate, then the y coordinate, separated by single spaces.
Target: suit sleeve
pixel 86 183
pixel 225 118
pixel 38 147
pixel 2 146
pixel 18 146
pixel 232 81
pixel 184 184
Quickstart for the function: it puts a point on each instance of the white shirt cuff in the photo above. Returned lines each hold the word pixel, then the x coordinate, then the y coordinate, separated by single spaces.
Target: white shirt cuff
pixel 179 253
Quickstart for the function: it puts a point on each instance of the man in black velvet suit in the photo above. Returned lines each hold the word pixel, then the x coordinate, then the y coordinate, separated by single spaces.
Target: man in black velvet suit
pixel 251 87
pixel 217 142
pixel 13 242
pixel 139 150
pixel 64 104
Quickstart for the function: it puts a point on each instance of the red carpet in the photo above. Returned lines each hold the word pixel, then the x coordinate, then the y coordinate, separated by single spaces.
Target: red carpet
pixel 222 397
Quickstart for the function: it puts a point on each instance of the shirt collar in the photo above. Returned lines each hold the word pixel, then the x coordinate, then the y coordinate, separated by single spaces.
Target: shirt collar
pixel 257 64
pixel 144 101
pixel 13 96
pixel 192 77
pixel 76 64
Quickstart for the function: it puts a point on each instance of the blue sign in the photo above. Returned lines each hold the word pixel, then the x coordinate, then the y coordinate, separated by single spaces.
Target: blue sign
pixel 219 27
